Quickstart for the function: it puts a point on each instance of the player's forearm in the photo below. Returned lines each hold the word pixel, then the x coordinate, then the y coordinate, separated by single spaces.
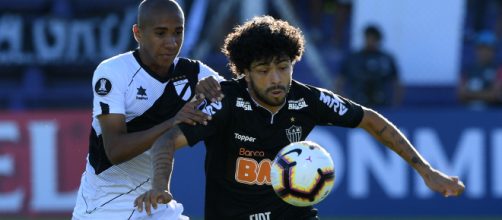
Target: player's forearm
pixel 162 161
pixel 121 148
pixel 389 135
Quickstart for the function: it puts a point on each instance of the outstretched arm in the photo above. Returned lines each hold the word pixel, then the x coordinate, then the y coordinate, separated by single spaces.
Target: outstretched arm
pixel 389 135
pixel 162 161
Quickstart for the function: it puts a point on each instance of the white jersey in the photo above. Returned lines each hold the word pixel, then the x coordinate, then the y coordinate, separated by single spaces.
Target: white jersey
pixel 123 85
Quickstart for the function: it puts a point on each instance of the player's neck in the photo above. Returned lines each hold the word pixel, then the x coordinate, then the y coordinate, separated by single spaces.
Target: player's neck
pixel 161 70
pixel 271 108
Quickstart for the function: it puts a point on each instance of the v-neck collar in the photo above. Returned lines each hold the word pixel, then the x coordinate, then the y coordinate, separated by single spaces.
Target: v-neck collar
pixel 153 74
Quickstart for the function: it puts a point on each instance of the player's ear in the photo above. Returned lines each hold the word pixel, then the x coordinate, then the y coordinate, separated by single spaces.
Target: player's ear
pixel 136 33
pixel 246 75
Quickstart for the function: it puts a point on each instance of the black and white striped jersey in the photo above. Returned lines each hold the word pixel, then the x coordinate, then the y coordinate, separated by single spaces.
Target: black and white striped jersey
pixel 124 85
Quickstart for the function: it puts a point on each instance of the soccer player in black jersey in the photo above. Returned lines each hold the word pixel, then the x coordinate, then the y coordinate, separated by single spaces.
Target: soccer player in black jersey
pixel 261 108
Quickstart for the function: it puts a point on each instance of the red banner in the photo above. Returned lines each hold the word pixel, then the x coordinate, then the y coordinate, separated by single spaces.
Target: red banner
pixel 42 157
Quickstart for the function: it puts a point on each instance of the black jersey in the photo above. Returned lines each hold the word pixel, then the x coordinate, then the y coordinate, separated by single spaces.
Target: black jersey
pixel 243 138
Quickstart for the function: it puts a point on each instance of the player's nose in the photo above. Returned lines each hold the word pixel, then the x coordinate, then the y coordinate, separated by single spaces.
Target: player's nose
pixel 275 77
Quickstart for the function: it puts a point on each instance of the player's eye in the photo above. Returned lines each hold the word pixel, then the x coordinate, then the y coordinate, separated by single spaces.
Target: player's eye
pixel 160 33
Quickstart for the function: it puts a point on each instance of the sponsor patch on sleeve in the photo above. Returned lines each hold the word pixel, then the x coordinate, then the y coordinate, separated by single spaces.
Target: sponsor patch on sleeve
pixel 103 86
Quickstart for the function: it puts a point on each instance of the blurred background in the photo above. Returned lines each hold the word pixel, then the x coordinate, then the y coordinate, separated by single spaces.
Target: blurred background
pixel 432 67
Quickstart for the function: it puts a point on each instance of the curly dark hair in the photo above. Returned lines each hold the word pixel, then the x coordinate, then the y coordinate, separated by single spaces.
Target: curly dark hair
pixel 262 38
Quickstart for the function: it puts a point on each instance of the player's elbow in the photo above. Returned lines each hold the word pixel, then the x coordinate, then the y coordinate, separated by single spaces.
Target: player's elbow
pixel 114 159
pixel 371 120
pixel 113 154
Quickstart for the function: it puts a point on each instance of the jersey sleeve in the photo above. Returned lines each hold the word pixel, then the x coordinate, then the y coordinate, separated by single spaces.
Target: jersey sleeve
pixel 336 110
pixel 109 89
pixel 220 114
pixel 206 71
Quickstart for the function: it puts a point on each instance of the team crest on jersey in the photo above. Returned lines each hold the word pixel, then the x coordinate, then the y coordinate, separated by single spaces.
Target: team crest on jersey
pixel 294 133
pixel 297 104
pixel 183 89
pixel 103 86
pixel 141 95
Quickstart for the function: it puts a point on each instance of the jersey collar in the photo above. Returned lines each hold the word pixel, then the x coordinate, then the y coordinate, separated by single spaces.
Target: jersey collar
pixel 243 83
pixel 150 72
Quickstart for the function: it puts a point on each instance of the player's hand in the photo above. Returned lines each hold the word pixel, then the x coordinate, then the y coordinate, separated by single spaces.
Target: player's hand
pixel 151 199
pixel 190 114
pixel 210 88
pixel 444 184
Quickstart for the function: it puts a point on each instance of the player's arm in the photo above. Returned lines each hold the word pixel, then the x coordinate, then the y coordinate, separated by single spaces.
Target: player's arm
pixel 210 88
pixel 162 161
pixel 209 83
pixel 389 135
pixel 121 146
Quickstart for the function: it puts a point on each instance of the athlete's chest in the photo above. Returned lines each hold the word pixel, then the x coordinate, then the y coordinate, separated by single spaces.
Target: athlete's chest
pixel 256 136
pixel 255 128
pixel 145 92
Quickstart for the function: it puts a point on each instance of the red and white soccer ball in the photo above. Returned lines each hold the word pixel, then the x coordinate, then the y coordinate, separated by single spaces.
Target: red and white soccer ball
pixel 303 173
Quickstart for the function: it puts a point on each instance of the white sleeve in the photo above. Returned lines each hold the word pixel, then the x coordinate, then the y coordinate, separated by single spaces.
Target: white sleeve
pixel 205 71
pixel 109 91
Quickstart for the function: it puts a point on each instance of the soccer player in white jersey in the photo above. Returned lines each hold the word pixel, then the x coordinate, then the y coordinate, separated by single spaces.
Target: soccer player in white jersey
pixel 138 96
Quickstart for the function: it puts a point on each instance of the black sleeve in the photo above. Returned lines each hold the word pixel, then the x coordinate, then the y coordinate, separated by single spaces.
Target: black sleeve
pixel 218 111
pixel 336 110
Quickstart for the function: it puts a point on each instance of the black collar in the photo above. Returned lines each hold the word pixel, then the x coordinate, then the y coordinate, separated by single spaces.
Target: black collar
pixel 150 72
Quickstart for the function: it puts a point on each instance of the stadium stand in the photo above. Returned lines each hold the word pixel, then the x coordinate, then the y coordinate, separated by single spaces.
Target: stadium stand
pixel 38 85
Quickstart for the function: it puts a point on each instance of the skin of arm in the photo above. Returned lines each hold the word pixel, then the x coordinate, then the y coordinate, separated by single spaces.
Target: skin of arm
pixel 163 157
pixel 162 161
pixel 121 146
pixel 389 135
pixel 386 133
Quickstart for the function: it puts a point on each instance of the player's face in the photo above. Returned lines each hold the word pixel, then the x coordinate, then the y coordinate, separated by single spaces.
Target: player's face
pixel 160 39
pixel 485 54
pixel 269 81
pixel 372 42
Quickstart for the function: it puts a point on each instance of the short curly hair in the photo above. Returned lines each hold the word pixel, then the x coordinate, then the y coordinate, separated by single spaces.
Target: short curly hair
pixel 262 38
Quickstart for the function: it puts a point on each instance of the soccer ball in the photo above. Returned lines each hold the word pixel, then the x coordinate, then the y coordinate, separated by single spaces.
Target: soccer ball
pixel 302 173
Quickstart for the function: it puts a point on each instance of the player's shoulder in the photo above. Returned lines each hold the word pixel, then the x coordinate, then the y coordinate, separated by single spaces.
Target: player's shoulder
pixel 188 65
pixel 232 86
pixel 188 61
pixel 191 62
pixel 118 60
pixel 119 65
pixel 302 89
pixel 309 92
